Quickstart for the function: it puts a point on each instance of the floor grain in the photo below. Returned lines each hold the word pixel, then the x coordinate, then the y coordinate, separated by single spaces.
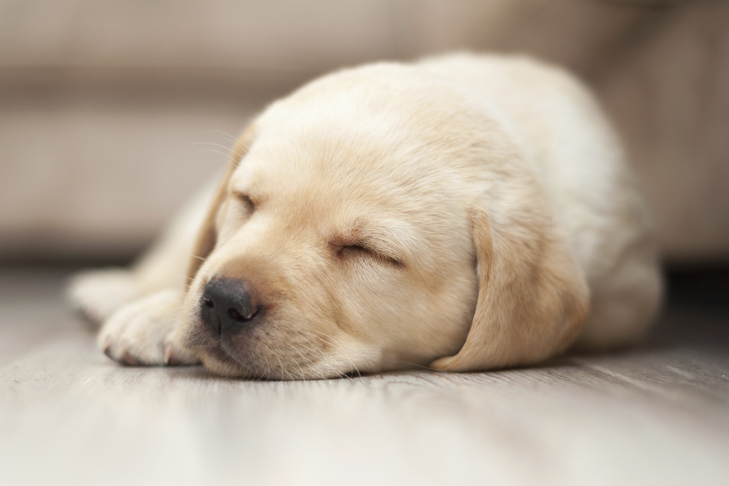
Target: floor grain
pixel 68 415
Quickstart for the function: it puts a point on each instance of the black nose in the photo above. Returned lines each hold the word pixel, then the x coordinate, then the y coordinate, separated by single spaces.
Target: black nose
pixel 226 306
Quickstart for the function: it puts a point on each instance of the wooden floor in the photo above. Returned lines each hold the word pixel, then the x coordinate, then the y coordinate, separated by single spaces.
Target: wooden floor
pixel 68 415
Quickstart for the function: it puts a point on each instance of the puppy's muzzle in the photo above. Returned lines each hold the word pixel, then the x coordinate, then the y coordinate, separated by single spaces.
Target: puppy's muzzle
pixel 227 307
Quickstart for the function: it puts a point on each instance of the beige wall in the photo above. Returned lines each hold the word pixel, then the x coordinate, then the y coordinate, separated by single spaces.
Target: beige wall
pixel 111 112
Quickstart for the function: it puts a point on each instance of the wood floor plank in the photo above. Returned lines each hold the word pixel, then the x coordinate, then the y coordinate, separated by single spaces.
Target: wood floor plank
pixel 68 415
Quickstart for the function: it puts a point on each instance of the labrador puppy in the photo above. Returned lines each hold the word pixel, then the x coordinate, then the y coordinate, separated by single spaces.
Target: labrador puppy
pixel 460 213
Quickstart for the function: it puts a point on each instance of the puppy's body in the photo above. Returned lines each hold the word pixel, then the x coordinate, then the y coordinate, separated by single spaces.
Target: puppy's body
pixel 462 212
pixel 581 167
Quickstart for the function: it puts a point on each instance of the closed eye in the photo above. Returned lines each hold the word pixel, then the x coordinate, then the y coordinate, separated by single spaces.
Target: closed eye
pixel 247 202
pixel 361 251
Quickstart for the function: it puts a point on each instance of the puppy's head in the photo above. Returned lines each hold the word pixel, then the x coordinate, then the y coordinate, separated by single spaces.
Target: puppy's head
pixel 351 234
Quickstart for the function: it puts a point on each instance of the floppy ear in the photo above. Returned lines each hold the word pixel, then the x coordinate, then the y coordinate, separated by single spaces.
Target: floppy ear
pixel 207 234
pixel 532 297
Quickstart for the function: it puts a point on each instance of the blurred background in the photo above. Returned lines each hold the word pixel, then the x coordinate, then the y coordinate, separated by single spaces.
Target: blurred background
pixel 111 113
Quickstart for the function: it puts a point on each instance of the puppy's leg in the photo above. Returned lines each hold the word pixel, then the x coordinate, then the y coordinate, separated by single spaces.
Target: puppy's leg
pixel 100 293
pixel 145 332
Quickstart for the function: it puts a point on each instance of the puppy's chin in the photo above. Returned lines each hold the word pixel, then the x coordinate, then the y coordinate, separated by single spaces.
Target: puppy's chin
pixel 226 367
pixel 221 362
pixel 223 367
pixel 217 359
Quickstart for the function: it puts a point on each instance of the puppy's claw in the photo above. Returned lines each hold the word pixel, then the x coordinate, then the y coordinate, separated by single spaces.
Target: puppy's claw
pixel 106 347
pixel 170 359
pixel 128 359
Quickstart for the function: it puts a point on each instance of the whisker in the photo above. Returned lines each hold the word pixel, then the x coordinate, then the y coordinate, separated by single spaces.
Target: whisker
pixel 284 371
pixel 226 134
pixel 212 144
pixel 227 151
pixel 301 370
pixel 213 151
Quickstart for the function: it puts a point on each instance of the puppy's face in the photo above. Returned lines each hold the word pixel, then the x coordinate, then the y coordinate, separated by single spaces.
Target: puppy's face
pixel 339 247
pixel 363 227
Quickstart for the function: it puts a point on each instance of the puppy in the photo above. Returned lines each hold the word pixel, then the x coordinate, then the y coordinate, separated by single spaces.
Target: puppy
pixel 460 213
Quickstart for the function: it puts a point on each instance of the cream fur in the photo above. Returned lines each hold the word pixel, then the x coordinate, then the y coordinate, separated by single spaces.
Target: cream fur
pixel 490 193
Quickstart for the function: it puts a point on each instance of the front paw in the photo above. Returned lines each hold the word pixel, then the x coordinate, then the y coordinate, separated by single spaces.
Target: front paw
pixel 99 293
pixel 142 333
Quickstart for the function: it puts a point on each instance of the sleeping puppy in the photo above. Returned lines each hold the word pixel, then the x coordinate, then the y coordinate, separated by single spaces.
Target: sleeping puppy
pixel 463 213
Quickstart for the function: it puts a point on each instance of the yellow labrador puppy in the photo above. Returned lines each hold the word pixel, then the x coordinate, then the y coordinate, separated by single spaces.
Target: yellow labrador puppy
pixel 463 213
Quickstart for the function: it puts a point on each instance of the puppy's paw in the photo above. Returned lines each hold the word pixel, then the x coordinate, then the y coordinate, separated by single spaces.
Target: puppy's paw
pixel 99 293
pixel 142 333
